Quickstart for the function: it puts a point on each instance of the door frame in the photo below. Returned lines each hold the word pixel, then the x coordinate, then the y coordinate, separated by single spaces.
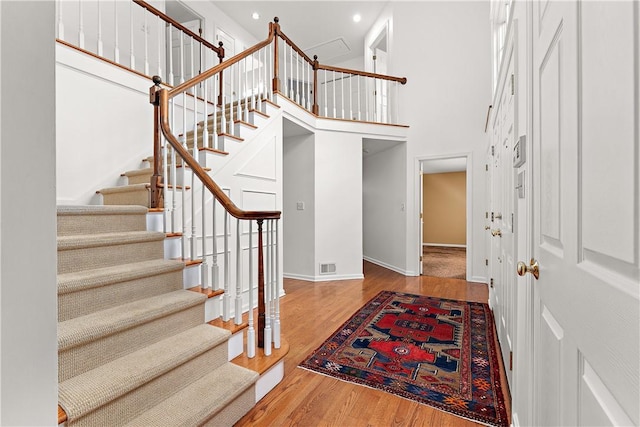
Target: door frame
pixel 469 213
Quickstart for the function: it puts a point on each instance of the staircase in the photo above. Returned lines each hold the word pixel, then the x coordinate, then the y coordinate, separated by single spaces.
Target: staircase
pixel 132 343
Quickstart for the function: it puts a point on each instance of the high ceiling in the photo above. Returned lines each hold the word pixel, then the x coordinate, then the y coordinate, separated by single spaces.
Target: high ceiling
pixel 325 28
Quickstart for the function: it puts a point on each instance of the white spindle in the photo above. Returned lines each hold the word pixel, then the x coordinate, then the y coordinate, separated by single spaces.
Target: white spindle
pixel 267 296
pixel 266 81
pixel 291 95
pixel 326 100
pixel 359 110
pixel 226 299
pixel 215 269
pixel 246 89
pixel 185 229
pixel 132 58
pixel 240 96
pixel 181 57
pixel 342 94
pixel 159 26
pixel 366 101
pixel 80 26
pixel 146 45
pixel 238 299
pixel 272 279
pixel 170 52
pixel 214 98
pixel 230 127
pixel 306 91
pixel 204 268
pixel 253 81
pixel 350 96
pixel 276 324
pixel 297 78
pixel 116 49
pixel 174 173
pixel 333 84
pixel 251 333
pixel 396 102
pixel 194 239
pixel 205 120
pixel 223 112
pixel 60 21
pixel 270 74
pixel 100 44
pixel 284 67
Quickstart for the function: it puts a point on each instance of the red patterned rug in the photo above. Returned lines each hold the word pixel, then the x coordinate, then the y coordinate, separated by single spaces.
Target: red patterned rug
pixel 435 351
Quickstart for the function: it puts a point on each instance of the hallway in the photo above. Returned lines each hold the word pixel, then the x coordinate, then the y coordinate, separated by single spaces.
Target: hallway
pixel 309 399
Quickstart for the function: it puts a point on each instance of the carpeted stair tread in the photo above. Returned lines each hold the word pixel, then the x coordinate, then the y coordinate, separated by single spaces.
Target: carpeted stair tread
pixel 86 291
pixel 203 399
pixel 86 392
pixel 74 220
pixel 107 239
pixel 124 188
pixel 87 279
pixel 94 326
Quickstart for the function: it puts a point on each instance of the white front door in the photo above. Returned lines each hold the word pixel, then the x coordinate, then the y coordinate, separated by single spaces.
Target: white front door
pixel 586 231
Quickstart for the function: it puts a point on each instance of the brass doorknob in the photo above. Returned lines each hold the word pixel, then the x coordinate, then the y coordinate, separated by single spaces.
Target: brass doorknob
pixel 486 227
pixel 496 232
pixel 532 268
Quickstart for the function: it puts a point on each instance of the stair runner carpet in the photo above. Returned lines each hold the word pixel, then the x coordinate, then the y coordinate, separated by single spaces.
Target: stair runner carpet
pixel 133 348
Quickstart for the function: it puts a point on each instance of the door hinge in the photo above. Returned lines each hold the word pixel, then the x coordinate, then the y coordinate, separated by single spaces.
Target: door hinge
pixel 486 215
pixel 486 261
pixel 420 215
pixel 491 282
pixel 486 168
pixel 420 258
pixel 493 150
pixel 511 360
pixel 513 85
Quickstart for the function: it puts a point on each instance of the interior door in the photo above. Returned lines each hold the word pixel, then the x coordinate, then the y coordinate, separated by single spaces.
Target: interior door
pixel 586 228
pixel 185 55
pixel 382 86
pixel 421 221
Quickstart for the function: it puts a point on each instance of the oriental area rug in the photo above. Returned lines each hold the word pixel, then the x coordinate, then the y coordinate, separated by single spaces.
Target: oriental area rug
pixel 435 351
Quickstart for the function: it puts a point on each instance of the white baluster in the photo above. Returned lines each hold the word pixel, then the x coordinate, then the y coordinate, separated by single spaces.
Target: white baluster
pixel 270 74
pixel 194 239
pixel 185 229
pixel 253 82
pixel 146 44
pixel 251 332
pixel 342 94
pixel 276 298
pixel 326 100
pixel 100 44
pixel 297 78
pixel 230 127
pixel 240 96
pixel 80 26
pixel 366 101
pixel 226 299
pixel 223 112
pixel 291 93
pixel 132 58
pixel 116 48
pixel 238 299
pixel 159 26
pixel 350 96
pixel 181 57
pixel 205 120
pixel 359 111
pixel 334 94
pixel 204 269
pixel 284 67
pixel 396 102
pixel 174 173
pixel 267 295
pixel 272 281
pixel 306 91
pixel 60 21
pixel 246 89
pixel 170 52
pixel 215 269
pixel 214 98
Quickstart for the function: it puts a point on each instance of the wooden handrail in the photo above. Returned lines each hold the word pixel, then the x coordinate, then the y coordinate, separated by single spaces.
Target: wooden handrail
pixel 220 67
pixel 401 80
pixel 218 49
pixel 161 102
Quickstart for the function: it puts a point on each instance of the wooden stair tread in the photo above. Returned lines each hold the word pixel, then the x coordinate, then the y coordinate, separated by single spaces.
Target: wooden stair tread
pixel 189 262
pixel 261 363
pixel 230 324
pixel 210 293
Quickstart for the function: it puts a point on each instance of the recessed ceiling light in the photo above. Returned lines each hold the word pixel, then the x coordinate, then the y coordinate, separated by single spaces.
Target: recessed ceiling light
pixel 255 15
pixel 357 17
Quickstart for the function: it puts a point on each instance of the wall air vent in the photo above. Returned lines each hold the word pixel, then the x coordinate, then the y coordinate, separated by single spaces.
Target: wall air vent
pixel 329 268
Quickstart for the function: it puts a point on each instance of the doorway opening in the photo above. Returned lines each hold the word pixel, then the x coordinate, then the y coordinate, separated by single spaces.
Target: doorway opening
pixel 182 61
pixel 444 218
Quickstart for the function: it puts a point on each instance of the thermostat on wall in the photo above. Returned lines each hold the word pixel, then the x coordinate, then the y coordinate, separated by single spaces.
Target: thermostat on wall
pixel 519 152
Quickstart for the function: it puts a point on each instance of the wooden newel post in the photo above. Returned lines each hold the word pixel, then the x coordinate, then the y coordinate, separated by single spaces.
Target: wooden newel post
pixel 276 63
pixel 261 311
pixel 315 108
pixel 156 179
pixel 220 57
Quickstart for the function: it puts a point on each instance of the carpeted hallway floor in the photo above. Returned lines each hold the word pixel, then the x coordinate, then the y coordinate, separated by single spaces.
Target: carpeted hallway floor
pixel 440 261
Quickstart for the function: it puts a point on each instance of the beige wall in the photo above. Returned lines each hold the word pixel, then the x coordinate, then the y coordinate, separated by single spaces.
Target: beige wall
pixel 445 196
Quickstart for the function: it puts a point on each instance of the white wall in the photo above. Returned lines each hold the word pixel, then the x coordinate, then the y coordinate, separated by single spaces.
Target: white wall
pixel 384 219
pixel 338 190
pixel 443 48
pixel 299 225
pixel 28 317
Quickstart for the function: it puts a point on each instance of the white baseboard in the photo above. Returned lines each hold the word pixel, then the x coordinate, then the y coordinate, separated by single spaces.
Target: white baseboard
pixel 479 279
pixel 445 245
pixel 322 278
pixel 388 266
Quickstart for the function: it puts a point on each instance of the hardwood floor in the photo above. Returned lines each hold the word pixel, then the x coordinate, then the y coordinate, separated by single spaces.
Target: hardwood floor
pixel 310 312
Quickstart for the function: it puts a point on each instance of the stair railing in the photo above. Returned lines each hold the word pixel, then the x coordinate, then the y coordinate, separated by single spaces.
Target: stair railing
pixel 333 92
pixel 136 36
